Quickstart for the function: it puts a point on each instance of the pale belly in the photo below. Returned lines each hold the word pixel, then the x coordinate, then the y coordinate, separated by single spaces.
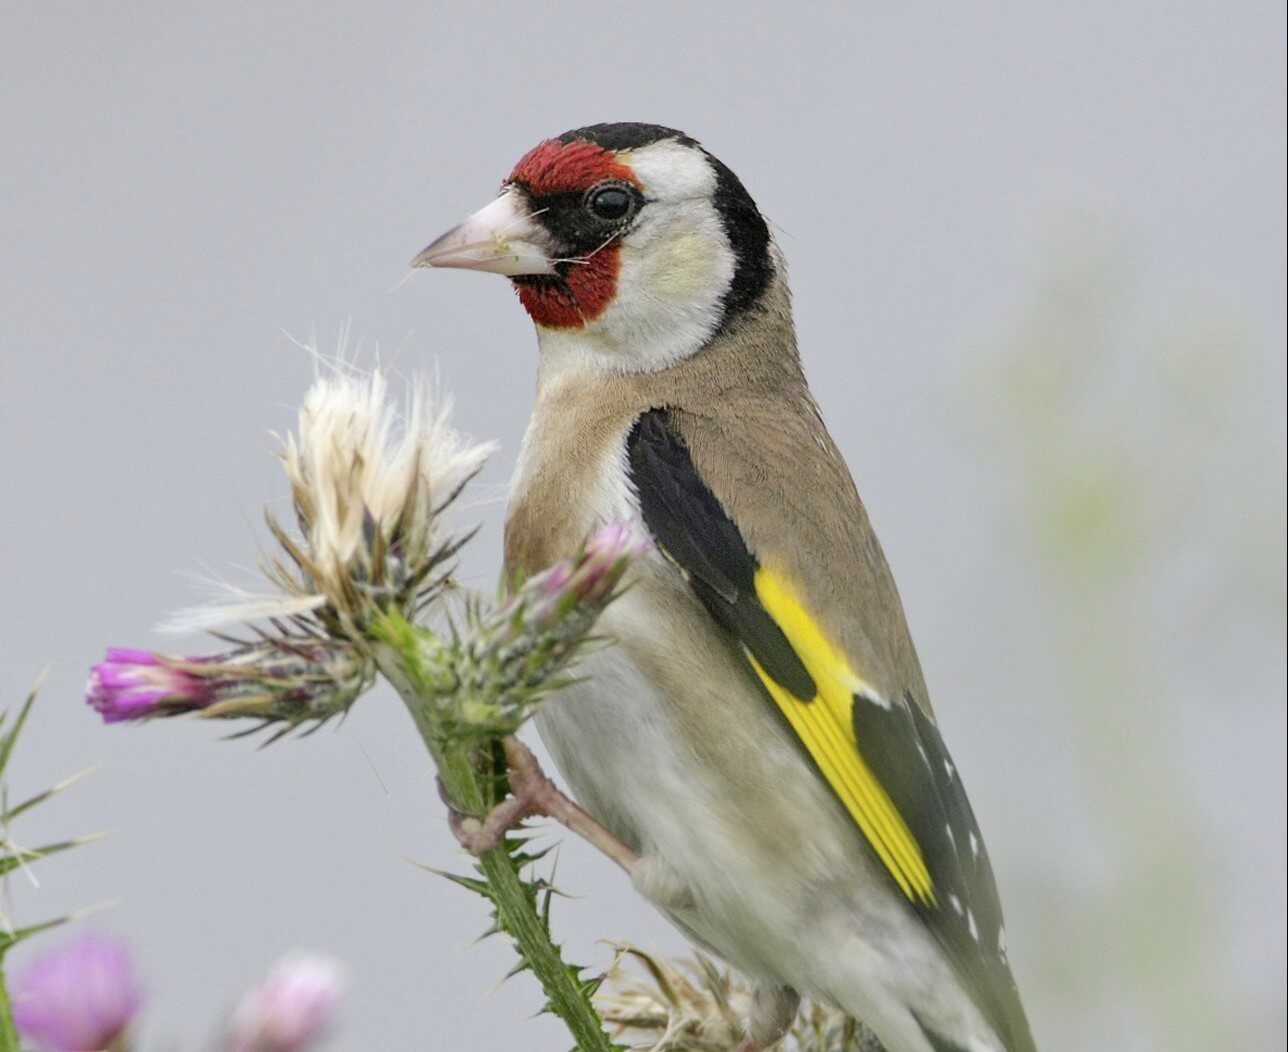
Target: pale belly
pixel 669 744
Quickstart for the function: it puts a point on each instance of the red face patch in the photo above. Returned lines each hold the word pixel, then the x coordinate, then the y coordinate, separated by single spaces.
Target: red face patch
pixel 583 295
pixel 587 284
pixel 553 166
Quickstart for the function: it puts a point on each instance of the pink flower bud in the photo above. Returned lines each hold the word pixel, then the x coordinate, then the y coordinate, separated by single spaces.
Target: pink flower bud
pixel 291 1009
pixel 130 684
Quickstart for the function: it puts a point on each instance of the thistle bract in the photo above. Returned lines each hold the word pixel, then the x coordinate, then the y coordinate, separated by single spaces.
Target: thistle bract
pixel 490 678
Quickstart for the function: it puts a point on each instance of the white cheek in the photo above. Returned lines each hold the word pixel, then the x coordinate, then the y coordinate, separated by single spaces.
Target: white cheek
pixel 674 273
pixel 682 271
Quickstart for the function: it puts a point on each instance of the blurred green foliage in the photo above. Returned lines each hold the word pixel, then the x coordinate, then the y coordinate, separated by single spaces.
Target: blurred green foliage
pixel 1148 489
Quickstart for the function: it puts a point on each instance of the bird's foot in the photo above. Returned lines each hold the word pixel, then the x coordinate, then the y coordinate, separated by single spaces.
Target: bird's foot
pixel 772 1010
pixel 478 835
pixel 532 794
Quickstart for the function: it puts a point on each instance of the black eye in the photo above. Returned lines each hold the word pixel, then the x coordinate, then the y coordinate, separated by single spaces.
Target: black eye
pixel 610 203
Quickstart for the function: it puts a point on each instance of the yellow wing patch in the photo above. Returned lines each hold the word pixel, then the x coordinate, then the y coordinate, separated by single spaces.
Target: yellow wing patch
pixel 825 726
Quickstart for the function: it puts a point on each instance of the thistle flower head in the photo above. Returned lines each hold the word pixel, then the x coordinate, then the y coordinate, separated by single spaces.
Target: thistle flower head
pixel 368 485
pixel 489 679
pixel 292 1008
pixel 289 678
pixel 79 997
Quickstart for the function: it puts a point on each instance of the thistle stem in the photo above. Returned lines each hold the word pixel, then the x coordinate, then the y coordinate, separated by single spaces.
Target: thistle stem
pixel 517 913
pixel 8 1033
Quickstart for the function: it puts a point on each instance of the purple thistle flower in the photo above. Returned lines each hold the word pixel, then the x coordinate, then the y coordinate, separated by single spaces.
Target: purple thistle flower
pixel 130 684
pixel 292 1008
pixel 79 997
pixel 596 570
pixel 287 679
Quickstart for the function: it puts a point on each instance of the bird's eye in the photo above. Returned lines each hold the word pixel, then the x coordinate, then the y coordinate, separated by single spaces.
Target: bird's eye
pixel 610 203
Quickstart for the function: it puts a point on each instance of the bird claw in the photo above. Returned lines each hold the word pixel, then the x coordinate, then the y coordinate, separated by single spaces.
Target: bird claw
pixel 527 780
pixel 481 835
pixel 530 790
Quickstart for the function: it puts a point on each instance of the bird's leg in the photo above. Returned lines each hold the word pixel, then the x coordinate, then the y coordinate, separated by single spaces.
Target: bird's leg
pixel 660 884
pixel 532 794
pixel 772 1010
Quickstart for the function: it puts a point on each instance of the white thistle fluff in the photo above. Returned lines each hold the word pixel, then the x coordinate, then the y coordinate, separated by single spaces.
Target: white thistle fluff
pixel 356 455
pixel 357 462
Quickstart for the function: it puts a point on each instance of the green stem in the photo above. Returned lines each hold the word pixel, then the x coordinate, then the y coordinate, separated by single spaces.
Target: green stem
pixel 8 1034
pixel 517 913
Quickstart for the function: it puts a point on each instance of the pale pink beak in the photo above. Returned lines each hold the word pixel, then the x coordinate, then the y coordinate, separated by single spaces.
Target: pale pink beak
pixel 501 238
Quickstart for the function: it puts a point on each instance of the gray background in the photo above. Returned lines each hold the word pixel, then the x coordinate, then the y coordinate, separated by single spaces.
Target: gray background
pixel 1038 259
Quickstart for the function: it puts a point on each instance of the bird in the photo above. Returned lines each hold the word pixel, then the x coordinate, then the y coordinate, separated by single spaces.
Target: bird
pixel 760 735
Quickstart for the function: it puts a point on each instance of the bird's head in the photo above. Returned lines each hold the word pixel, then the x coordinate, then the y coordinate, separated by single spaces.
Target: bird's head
pixel 628 244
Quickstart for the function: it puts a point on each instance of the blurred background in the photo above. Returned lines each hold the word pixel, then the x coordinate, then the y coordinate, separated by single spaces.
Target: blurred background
pixel 1038 256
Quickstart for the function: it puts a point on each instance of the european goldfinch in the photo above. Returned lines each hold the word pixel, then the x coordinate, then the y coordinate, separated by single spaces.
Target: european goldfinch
pixel 761 734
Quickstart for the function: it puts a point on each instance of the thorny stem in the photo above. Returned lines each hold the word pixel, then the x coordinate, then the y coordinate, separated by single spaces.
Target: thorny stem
pixel 8 1035
pixel 516 912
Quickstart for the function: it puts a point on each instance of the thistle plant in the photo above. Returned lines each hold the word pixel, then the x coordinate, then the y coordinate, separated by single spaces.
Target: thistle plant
pixel 15 856
pixel 362 586
pixel 84 996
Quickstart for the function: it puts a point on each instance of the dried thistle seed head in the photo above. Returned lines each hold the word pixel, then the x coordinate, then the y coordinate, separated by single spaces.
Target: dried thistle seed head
pixel 369 481
pixel 693 1005
pixel 290 679
pixel 673 1006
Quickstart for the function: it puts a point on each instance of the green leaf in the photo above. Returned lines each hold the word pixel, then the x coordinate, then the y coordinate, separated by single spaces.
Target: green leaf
pixel 15 856
pixel 10 737
pixel 13 812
